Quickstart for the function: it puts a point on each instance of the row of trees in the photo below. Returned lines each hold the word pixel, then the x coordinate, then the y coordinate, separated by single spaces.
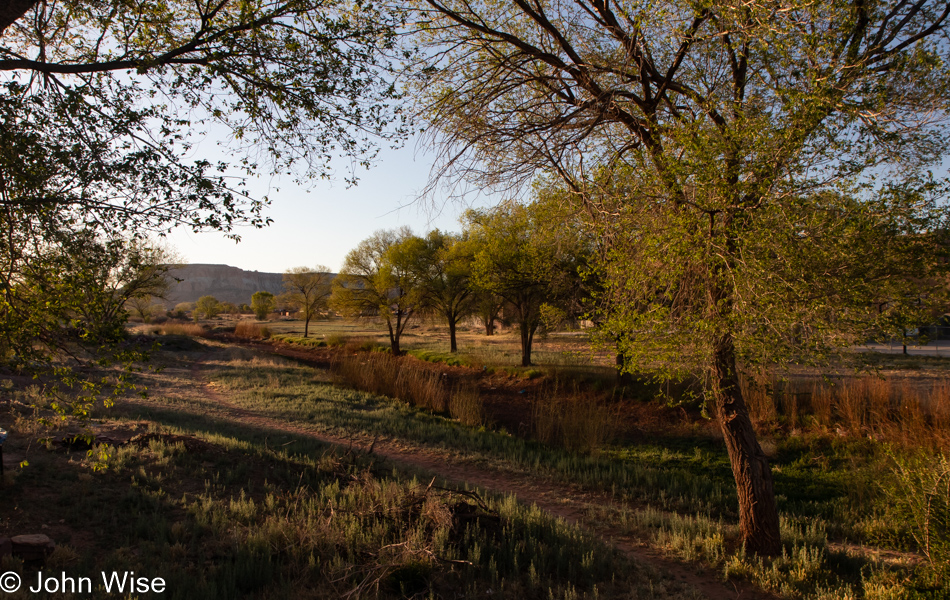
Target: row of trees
pixel 521 258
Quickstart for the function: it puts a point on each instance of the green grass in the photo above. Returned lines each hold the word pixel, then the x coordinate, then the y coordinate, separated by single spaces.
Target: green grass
pixel 219 509
pixel 311 342
pixel 448 358
pixel 827 488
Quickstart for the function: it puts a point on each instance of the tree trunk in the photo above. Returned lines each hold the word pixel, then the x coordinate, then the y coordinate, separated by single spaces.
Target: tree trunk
pixel 453 346
pixel 758 515
pixel 489 324
pixel 623 377
pixel 393 337
pixel 526 335
pixel 306 326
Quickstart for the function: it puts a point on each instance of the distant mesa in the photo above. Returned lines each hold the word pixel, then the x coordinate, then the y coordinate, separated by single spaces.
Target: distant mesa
pixel 227 284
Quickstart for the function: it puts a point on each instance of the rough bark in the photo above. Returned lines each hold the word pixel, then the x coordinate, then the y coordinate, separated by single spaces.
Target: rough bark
pixel 758 515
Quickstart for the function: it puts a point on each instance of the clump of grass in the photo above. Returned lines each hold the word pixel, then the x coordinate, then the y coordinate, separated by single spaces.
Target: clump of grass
pixel 335 339
pixel 452 360
pixel 383 374
pixel 188 329
pixel 518 372
pixel 248 329
pixel 578 421
pixel 466 405
pixel 923 493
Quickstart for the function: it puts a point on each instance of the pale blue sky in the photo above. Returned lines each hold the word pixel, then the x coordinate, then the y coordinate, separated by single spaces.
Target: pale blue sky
pixel 321 226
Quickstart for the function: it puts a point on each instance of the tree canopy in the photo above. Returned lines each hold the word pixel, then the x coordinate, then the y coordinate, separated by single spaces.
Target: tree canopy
pixel 442 265
pixel 292 84
pixel 378 277
pixel 527 256
pixel 263 304
pixel 309 290
pixel 701 137
pixel 102 106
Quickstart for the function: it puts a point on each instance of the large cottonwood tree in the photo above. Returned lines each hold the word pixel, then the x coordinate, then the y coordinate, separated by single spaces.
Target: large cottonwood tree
pixel 442 263
pixel 723 114
pixel 102 103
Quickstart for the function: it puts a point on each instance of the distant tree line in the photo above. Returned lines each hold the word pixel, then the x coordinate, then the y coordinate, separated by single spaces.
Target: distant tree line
pixel 529 260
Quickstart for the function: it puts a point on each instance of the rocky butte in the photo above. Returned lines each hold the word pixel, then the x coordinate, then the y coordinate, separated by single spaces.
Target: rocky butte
pixel 227 284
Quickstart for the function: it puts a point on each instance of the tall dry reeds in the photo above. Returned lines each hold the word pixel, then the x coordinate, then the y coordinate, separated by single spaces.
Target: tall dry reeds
pixel 467 405
pixel 911 413
pixel 250 330
pixel 579 421
pixel 386 375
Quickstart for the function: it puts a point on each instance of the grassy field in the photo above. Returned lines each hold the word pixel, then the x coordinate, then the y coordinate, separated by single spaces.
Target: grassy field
pixel 211 492
pixel 220 508
pixel 840 498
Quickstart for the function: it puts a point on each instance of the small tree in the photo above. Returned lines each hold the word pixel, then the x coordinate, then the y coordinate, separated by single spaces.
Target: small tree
pixel 263 303
pixel 442 264
pixel 208 306
pixel 229 308
pixel 308 290
pixel 523 255
pixel 142 307
pixel 488 307
pixel 377 278
pixel 182 309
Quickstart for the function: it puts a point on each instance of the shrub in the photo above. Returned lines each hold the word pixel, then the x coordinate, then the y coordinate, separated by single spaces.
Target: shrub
pixel 190 329
pixel 299 340
pixel 250 330
pixel 924 495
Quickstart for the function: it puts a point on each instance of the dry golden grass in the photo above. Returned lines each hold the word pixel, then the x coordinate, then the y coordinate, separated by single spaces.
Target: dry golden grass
pixel 467 405
pixel 248 329
pixel 910 413
pixel 189 329
pixel 383 374
pixel 576 421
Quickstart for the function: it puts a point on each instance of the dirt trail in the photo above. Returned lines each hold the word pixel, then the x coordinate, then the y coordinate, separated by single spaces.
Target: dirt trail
pixel 566 502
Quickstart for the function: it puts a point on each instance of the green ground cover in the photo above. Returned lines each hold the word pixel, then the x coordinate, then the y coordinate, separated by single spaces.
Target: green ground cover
pixel 834 493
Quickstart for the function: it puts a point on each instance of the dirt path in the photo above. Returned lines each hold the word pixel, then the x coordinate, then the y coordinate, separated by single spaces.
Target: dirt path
pixel 566 502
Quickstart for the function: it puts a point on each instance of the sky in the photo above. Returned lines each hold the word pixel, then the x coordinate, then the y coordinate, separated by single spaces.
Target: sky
pixel 320 225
